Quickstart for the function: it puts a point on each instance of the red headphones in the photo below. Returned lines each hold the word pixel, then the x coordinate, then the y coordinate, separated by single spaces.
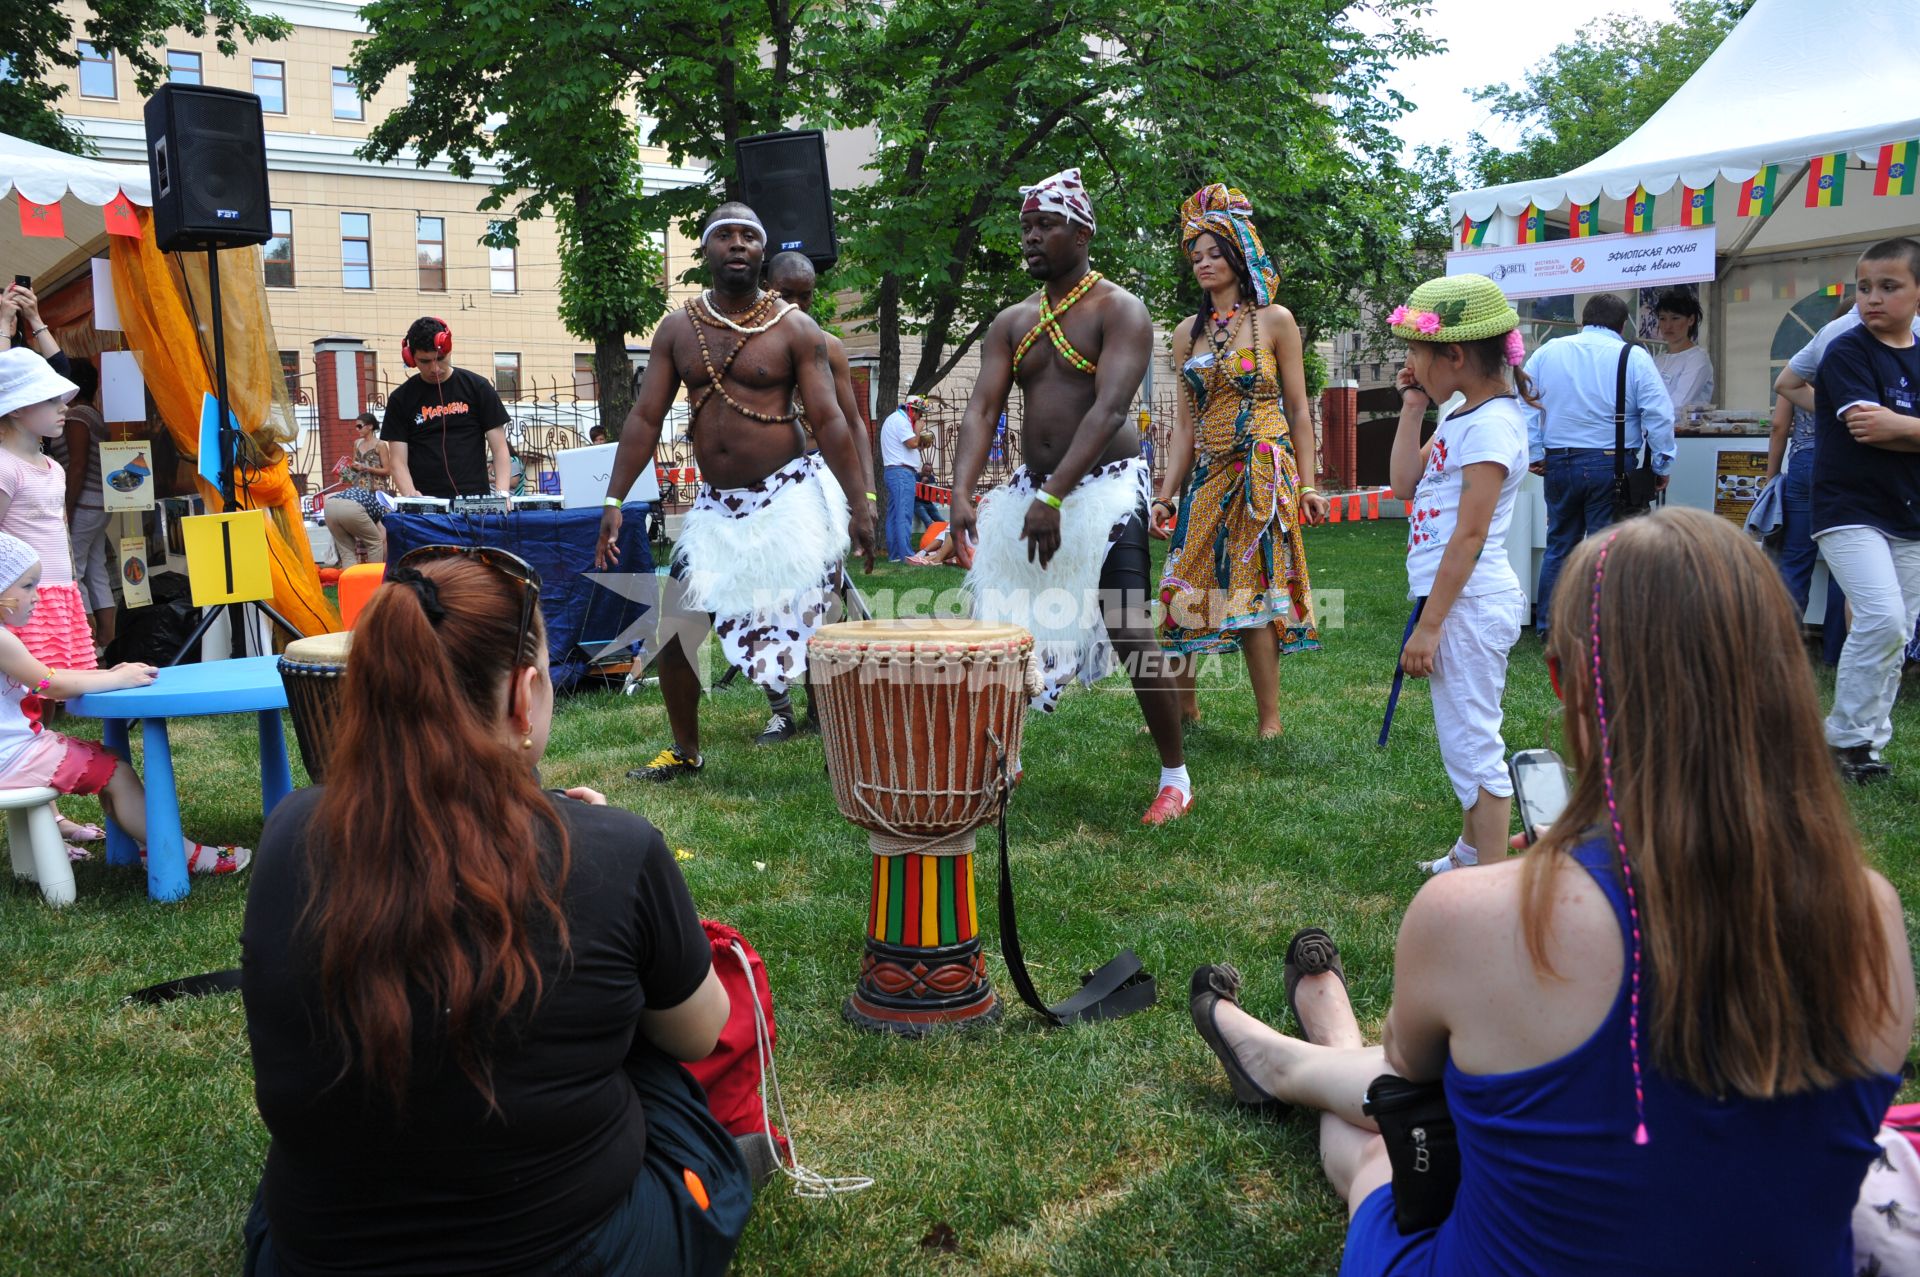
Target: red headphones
pixel 442 343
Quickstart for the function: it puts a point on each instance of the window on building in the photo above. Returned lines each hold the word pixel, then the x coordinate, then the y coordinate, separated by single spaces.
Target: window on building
pixel 506 373
pixel 270 83
pixel 96 73
pixel 346 97
pixel 584 384
pixel 183 67
pixel 430 243
pixel 503 269
pixel 356 250
pixel 290 369
pixel 279 250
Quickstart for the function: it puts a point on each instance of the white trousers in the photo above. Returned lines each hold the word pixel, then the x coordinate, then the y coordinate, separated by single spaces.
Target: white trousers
pixel 1881 577
pixel 1468 682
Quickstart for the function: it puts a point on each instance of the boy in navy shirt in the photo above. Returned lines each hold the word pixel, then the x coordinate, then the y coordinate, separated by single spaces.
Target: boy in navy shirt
pixel 1866 499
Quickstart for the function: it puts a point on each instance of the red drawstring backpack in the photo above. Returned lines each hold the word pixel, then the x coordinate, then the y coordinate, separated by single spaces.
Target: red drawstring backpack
pixel 732 1075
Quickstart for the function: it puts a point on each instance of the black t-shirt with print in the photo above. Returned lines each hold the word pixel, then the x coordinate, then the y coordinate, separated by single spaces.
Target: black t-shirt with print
pixel 451 1187
pixel 1854 483
pixel 445 429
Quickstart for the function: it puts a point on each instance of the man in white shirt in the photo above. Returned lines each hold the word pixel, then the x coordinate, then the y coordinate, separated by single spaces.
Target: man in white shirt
pixel 900 441
pixel 1570 438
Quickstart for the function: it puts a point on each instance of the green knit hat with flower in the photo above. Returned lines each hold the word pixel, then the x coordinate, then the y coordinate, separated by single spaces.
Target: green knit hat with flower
pixel 1455 308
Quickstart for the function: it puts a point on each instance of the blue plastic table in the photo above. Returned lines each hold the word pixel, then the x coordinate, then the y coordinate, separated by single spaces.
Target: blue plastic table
pixel 248 685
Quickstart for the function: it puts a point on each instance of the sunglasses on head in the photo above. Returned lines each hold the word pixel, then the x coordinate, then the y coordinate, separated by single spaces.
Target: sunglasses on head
pixel 507 564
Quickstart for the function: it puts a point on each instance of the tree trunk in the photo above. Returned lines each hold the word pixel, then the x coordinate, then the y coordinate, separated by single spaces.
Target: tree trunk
pixel 613 372
pixel 887 386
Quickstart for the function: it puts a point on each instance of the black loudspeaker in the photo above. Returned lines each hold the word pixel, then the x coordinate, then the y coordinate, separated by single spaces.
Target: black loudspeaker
pixel 783 178
pixel 207 157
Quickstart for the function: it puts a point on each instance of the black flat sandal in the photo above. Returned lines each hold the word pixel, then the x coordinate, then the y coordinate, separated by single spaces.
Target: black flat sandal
pixel 1211 985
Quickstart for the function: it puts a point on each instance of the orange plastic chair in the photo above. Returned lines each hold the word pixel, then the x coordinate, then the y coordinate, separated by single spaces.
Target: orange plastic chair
pixel 357 585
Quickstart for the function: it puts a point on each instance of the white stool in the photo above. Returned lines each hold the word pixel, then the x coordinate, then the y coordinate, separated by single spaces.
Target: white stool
pixel 33 836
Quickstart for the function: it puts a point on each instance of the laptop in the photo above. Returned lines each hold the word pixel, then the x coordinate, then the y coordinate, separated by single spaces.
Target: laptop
pixel 584 473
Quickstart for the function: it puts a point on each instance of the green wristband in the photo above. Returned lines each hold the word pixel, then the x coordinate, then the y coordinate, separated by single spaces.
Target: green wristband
pixel 871 497
pixel 1049 498
pixel 612 503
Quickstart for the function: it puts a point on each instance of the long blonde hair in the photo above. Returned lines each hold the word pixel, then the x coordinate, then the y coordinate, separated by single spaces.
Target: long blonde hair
pixel 1764 970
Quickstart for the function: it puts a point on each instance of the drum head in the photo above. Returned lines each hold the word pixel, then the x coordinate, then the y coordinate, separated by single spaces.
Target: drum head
pixel 321 649
pixel 920 629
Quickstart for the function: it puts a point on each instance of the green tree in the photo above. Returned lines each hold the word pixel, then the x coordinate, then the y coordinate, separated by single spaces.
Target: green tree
pixel 1151 99
pixel 551 92
pixel 1594 91
pixel 38 41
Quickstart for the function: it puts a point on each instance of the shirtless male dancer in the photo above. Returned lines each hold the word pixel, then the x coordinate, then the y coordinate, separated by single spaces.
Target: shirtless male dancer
pixel 763 549
pixel 1078 348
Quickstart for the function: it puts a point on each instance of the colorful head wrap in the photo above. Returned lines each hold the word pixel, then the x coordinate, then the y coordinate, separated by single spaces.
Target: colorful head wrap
pixel 1228 213
pixel 1063 193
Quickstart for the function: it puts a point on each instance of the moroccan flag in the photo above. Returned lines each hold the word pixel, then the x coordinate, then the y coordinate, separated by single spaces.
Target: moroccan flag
pixel 1472 234
pixel 1696 207
pixel 1530 225
pixel 1583 218
pixel 1827 180
pixel 41 221
pixel 1895 174
pixel 120 217
pixel 1639 212
pixel 1756 197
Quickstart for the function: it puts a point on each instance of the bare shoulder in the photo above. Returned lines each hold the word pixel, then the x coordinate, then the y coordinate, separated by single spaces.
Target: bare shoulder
pixel 1117 302
pixel 836 352
pixel 1279 319
pixel 1463 901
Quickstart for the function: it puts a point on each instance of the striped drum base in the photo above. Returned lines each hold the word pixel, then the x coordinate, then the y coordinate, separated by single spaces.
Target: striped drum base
pixel 922 969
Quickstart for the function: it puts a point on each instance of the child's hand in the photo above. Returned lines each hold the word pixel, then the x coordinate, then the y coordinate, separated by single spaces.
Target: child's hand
pixel 591 797
pixel 133 674
pixel 1876 425
pixel 1409 386
pixel 1422 649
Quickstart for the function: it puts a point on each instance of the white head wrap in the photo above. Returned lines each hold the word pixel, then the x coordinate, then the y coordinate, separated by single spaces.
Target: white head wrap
pixel 1063 193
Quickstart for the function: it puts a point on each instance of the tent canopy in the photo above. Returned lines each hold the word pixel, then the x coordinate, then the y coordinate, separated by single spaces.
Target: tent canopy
pixel 47 176
pixel 1781 89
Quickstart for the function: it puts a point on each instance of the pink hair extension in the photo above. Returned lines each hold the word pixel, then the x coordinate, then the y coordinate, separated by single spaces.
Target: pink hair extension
pixel 1620 843
pixel 1516 348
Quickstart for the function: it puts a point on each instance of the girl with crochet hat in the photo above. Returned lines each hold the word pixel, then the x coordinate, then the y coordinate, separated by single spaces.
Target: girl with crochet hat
pixel 31 756
pixel 1460 487
pixel 1233 500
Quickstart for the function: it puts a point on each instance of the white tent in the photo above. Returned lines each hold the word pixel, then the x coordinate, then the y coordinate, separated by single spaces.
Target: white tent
pixel 80 186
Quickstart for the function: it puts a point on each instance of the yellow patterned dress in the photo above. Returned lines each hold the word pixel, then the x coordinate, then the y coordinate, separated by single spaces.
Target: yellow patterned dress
pixel 1237 560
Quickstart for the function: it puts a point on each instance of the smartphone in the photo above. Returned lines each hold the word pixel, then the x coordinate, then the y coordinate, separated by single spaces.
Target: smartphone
pixel 25 281
pixel 1540 788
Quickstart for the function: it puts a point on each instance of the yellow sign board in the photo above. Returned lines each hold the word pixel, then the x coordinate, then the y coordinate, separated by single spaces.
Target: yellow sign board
pixel 227 557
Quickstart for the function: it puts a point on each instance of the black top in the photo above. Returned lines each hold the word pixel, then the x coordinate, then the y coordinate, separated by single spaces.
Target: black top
pixel 447 1188
pixel 1856 484
pixel 445 429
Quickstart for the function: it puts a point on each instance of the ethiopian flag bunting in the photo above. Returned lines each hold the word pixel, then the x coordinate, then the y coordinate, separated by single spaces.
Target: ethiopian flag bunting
pixel 1894 176
pixel 1472 234
pixel 1583 219
pixel 1696 207
pixel 1639 212
pixel 1756 196
pixel 1827 180
pixel 1530 225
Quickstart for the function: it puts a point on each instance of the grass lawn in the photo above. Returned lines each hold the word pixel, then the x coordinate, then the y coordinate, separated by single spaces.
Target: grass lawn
pixel 129 1141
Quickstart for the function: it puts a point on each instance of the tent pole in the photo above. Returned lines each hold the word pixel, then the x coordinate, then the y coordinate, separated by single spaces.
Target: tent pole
pixel 1717 318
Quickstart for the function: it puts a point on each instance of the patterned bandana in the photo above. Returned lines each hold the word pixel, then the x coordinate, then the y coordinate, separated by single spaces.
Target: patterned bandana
pixel 1229 214
pixel 1063 193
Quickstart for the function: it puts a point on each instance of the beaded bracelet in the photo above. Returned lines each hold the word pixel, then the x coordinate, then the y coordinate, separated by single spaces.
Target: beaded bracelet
pixel 46 681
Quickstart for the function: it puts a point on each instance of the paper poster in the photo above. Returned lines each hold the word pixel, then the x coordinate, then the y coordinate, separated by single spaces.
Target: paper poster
pixel 1738 477
pixel 134 590
pixel 227 557
pixel 126 475
pixel 106 311
pixel 209 463
pixel 123 391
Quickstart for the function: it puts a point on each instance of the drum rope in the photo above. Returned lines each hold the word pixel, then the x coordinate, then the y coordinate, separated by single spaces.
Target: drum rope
pixel 806 1182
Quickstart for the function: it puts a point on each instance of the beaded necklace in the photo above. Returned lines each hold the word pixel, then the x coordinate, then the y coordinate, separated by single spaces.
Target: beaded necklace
pixel 1050 324
pixel 715 382
pixel 717 318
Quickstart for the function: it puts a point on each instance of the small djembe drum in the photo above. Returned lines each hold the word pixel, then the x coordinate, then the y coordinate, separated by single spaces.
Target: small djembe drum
pixel 916 717
pixel 313 670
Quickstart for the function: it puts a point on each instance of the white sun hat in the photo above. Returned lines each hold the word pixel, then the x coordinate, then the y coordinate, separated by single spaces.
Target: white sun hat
pixel 26 378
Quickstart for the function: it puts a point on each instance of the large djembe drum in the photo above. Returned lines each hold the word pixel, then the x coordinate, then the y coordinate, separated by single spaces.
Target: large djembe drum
pixel 313 670
pixel 916 717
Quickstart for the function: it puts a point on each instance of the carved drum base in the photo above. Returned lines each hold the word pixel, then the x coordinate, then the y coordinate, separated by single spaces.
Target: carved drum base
pixel 914 991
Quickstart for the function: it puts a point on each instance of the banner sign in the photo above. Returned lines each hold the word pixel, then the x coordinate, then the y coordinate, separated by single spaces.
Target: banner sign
pixel 1596 264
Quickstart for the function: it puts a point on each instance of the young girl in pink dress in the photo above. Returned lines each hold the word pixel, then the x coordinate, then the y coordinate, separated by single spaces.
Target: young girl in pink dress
pixel 31 756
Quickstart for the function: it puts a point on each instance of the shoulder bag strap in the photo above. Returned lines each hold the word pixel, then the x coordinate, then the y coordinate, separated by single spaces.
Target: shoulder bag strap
pixel 1620 413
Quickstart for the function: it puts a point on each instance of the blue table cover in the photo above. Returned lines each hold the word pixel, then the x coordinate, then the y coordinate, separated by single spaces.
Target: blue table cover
pixel 559 544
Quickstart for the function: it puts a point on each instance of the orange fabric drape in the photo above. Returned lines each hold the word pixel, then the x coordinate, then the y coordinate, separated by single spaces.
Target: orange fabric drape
pixel 156 313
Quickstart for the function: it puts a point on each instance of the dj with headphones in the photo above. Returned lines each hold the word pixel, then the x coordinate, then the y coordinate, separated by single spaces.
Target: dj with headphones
pixel 444 422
